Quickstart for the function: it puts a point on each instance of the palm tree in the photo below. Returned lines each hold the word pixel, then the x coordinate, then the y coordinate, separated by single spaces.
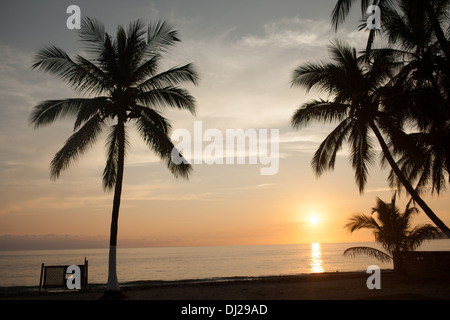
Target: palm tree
pixel 357 87
pixel 124 87
pixel 392 229
pixel 422 93
pixel 426 12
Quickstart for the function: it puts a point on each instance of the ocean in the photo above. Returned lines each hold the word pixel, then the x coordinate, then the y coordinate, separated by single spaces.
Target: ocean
pixel 22 268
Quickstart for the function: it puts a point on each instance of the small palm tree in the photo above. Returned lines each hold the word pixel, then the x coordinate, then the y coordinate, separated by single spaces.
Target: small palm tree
pixel 125 88
pixel 391 229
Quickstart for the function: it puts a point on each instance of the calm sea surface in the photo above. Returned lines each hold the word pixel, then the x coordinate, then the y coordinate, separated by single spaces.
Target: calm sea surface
pixel 22 268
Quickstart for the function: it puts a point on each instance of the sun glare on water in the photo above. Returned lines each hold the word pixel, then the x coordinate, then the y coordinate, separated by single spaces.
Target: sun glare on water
pixel 316 258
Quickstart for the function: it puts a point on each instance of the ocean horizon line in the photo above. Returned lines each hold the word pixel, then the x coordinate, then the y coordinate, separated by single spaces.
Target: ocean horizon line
pixel 55 247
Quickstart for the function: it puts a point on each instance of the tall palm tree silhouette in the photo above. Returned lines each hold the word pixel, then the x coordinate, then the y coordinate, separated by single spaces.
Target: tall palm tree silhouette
pixel 357 86
pixel 416 29
pixel 126 88
pixel 392 229
pixel 422 93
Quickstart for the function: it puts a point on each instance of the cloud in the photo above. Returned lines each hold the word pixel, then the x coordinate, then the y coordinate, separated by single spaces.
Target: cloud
pixel 290 33
pixel 164 191
pixel 246 78
pixel 381 189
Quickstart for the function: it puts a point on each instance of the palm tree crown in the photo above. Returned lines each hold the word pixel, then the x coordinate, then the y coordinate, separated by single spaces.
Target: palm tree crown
pixel 124 86
pixel 123 76
pixel 356 90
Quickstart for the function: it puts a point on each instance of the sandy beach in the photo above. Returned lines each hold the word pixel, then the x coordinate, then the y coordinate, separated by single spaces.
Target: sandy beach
pixel 323 286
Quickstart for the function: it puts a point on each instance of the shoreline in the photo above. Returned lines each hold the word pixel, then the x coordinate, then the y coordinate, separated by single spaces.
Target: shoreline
pixel 314 286
pixel 150 283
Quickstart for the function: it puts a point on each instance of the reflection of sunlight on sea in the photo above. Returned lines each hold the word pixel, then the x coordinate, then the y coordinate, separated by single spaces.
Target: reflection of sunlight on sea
pixel 316 258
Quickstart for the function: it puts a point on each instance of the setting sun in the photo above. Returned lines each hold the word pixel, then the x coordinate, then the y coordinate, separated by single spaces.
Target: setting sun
pixel 314 219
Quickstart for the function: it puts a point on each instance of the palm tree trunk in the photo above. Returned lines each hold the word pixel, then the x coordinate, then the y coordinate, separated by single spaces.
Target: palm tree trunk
pixel 438 222
pixel 113 283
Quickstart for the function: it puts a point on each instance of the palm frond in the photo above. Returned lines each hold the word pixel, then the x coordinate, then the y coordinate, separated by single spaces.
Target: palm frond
pixel 362 154
pixel 145 71
pixel 91 107
pixel 136 32
pixel 160 143
pixel 152 133
pixel 160 36
pixel 168 96
pixel 49 111
pixel 319 110
pixel 396 138
pixel 131 44
pixel 342 78
pixel 325 156
pixel 181 170
pixel 160 122
pixel 385 211
pixel 418 235
pixel 92 34
pixel 314 75
pixel 169 78
pixel 76 145
pixel 112 145
pixel 56 61
pixel 423 161
pixel 110 171
pixel 343 54
pixel 96 73
pixel 407 215
pixel 109 61
pixel 372 252
pixel 361 221
pixel 342 9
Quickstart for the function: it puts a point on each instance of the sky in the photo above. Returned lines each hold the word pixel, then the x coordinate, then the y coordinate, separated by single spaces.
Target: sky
pixel 245 53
